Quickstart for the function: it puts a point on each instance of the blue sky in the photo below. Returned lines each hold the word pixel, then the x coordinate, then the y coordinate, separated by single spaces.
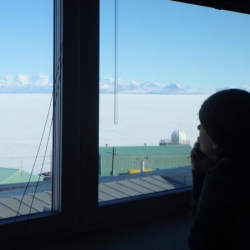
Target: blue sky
pixel 159 41
pixel 26 44
pixel 164 41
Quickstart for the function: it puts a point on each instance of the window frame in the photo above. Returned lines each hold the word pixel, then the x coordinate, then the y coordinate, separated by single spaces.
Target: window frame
pixel 76 139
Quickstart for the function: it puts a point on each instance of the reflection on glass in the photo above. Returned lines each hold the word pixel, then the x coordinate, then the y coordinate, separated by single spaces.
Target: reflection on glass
pixel 166 58
pixel 26 109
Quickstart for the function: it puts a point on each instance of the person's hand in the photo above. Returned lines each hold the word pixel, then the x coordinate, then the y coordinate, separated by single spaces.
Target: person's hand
pixel 199 161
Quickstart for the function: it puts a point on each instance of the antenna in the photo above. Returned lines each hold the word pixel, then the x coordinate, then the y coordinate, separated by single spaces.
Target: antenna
pixel 21 169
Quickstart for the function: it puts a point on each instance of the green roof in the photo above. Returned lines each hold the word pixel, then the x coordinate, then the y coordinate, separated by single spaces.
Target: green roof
pixel 146 150
pixel 122 159
pixel 10 175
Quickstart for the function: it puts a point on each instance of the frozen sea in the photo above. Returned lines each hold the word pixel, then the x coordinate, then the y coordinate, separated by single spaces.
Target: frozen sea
pixel 148 118
pixel 141 119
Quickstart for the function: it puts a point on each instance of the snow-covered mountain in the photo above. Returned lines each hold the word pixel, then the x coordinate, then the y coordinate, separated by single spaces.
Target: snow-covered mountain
pixel 128 87
pixel 133 87
pixel 39 83
pixel 174 88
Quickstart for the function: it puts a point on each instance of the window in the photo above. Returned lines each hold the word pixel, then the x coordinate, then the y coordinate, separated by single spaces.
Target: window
pixel 159 60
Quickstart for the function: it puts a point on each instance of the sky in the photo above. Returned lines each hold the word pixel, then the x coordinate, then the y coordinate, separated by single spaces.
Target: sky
pixel 165 41
pixel 158 41
pixel 26 44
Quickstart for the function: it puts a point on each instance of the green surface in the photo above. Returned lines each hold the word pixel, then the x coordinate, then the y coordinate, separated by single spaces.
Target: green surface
pixel 121 159
pixel 10 175
pixel 146 150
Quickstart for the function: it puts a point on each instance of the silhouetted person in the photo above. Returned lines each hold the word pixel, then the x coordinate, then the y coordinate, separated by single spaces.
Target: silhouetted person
pixel 221 173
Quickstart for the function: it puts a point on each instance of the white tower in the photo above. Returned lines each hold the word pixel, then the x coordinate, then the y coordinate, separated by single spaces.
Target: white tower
pixel 178 137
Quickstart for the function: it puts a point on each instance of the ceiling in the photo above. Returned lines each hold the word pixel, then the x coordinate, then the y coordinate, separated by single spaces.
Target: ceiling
pixel 242 6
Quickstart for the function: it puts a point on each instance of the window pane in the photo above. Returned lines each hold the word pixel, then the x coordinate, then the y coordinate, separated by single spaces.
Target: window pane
pixel 165 58
pixel 26 86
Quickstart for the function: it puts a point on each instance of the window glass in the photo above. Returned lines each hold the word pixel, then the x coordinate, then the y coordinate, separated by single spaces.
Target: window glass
pixel 159 60
pixel 26 86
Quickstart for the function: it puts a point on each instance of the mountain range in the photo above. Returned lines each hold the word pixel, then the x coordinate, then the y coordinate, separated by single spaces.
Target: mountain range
pixel 174 88
pixel 41 83
pixel 38 83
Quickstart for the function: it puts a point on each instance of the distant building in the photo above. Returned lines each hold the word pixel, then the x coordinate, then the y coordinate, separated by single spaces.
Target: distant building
pixel 11 175
pixel 178 137
pixel 121 160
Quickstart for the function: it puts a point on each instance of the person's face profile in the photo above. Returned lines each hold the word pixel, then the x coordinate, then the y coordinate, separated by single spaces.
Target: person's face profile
pixel 207 145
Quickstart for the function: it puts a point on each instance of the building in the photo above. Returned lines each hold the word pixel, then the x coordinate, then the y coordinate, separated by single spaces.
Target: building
pixel 24 198
pixel 123 160
pixel 13 176
pixel 178 137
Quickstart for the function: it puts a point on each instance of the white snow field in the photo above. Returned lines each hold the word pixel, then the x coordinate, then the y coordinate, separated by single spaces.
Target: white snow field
pixel 141 119
pixel 148 118
pixel 22 120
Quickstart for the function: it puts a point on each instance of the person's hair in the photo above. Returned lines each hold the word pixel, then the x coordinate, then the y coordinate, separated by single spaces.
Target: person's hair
pixel 225 116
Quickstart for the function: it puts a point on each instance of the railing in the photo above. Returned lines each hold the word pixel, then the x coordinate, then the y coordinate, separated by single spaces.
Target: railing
pixel 169 142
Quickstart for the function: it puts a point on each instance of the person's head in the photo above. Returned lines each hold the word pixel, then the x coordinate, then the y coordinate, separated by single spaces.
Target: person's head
pixel 225 123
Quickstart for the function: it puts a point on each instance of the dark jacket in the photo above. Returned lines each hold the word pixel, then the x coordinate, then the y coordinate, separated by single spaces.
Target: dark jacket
pixel 221 202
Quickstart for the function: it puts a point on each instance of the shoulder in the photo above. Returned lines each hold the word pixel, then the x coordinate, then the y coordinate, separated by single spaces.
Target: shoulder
pixel 220 180
pixel 232 172
pixel 230 166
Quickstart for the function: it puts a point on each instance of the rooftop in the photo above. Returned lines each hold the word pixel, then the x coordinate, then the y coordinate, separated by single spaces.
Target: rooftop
pixel 110 188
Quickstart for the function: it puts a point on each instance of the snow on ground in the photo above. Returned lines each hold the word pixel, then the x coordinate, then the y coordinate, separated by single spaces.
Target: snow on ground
pixel 148 118
pixel 22 119
pixel 141 119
